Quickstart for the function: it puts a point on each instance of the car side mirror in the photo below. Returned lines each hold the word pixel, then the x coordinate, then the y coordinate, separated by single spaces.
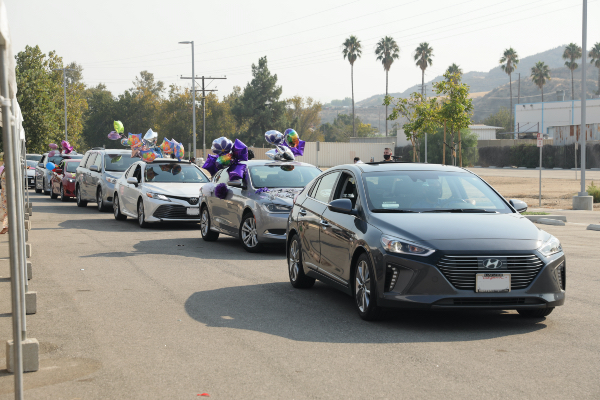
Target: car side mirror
pixel 518 205
pixel 343 206
pixel 132 181
pixel 237 184
pixel 41 165
pixel 94 168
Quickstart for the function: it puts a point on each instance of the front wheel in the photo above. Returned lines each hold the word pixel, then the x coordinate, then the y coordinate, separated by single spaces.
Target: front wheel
pixel 207 234
pixel 365 292
pixel 46 192
pixel 62 194
pixel 141 216
pixel 117 210
pixel 295 270
pixel 99 201
pixel 80 202
pixel 535 313
pixel 249 234
pixel 36 188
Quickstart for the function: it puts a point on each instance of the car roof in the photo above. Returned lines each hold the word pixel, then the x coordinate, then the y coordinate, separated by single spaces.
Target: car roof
pixel 72 159
pixel 275 163
pixel 399 166
pixel 114 151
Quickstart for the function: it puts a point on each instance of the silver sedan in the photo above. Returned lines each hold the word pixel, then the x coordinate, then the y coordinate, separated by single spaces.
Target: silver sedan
pixel 164 190
pixel 254 209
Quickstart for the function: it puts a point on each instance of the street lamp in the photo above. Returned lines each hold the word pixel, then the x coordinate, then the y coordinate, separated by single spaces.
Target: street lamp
pixel 194 102
pixel 64 70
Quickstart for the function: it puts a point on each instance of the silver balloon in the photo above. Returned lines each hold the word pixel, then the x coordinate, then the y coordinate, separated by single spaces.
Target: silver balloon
pixel 151 137
pixel 280 153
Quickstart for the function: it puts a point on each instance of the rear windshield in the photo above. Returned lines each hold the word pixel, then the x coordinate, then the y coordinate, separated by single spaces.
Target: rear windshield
pixel 118 162
pixel 33 157
pixel 57 159
pixel 174 172
pixel 282 176
pixel 32 163
pixel 72 166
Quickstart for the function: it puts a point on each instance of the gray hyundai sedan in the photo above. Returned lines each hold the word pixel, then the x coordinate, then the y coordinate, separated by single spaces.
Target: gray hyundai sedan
pixel 422 235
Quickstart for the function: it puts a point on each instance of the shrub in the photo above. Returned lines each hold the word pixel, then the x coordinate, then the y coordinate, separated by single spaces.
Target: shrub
pixel 594 191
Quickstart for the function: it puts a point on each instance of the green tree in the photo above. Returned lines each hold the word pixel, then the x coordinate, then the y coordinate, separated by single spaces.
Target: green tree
pixel 456 107
pixel 539 73
pixel 37 97
pixel 352 51
pixel 303 115
pixel 509 62
pixel 595 61
pixel 502 118
pixel 435 147
pixel 387 51
pixel 258 109
pixel 138 107
pixel 455 69
pixel 572 52
pixel 99 117
pixel 341 129
pixel 76 103
pixel 423 55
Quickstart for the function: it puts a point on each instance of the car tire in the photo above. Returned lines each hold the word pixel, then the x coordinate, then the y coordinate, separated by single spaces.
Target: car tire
pixel 364 289
pixel 117 209
pixel 36 188
pixel 207 234
pixel 536 312
pixel 46 192
pixel 249 234
pixel 99 201
pixel 80 202
pixel 141 214
pixel 62 194
pixel 52 194
pixel 298 279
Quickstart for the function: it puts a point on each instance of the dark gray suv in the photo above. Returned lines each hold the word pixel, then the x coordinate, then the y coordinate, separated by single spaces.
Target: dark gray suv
pixel 422 235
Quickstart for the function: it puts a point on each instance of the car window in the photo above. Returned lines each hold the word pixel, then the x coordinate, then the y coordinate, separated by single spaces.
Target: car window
pixel 118 162
pixel 223 177
pixel 137 173
pixel 98 161
pixel 346 189
pixel 90 160
pixel 43 160
pixel 72 166
pixel 84 160
pixel 129 172
pixel 323 192
pixel 282 176
pixel 174 172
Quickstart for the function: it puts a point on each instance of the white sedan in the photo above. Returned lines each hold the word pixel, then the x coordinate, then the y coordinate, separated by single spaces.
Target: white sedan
pixel 163 190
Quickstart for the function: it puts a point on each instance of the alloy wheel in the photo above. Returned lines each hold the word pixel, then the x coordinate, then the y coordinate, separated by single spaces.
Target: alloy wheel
pixel 116 206
pixel 363 286
pixel 204 222
pixel 99 200
pixel 141 213
pixel 294 261
pixel 249 234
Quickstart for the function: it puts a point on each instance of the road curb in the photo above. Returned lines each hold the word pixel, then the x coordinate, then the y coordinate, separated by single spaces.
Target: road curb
pixel 593 227
pixel 535 218
pixel 548 221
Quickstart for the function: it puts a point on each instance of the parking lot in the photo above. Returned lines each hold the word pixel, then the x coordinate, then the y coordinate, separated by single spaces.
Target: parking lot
pixel 134 313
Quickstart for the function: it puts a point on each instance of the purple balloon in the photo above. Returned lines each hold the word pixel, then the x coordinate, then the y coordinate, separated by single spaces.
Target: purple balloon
pixel 211 164
pixel 114 136
pixel 221 146
pixel 297 151
pixel 236 171
pixel 240 151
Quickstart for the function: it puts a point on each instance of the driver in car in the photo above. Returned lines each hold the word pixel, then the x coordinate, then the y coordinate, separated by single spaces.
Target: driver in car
pixel 431 192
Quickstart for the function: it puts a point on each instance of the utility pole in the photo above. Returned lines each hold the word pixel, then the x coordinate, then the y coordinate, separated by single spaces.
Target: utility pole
pixel 204 90
pixel 65 92
pixel 519 90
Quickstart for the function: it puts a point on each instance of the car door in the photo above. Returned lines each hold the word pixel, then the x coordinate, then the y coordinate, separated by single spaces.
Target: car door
pixel 131 191
pixel 80 173
pixel 337 231
pixel 95 176
pixel 309 218
pixel 221 209
pixel 39 172
pixel 85 187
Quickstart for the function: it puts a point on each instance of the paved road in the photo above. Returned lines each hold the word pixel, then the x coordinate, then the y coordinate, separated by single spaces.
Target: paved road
pixel 535 173
pixel 125 313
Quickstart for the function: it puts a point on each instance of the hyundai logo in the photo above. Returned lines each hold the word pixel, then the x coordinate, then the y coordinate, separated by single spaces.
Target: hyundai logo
pixel 492 263
pixel 193 200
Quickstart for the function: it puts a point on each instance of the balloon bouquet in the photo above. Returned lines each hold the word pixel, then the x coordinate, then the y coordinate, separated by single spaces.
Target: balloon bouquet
pixel 145 147
pixel 288 145
pixel 65 148
pixel 227 154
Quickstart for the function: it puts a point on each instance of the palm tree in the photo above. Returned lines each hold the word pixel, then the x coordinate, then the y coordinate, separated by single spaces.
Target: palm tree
pixel 595 60
pixel 454 69
pixel 423 55
pixel 572 52
pixel 387 51
pixel 352 50
pixel 539 73
pixel 509 62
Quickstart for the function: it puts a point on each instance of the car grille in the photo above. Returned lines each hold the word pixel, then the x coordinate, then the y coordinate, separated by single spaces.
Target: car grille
pixel 489 301
pixel 173 212
pixel 192 200
pixel 461 270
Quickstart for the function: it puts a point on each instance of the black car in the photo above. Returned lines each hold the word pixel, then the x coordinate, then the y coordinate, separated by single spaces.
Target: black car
pixel 421 235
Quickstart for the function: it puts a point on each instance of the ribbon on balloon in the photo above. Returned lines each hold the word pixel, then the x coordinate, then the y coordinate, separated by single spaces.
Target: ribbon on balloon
pixel 228 155
pixel 288 145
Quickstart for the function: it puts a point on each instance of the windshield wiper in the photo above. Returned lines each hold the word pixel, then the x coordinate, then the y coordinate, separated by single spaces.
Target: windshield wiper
pixel 391 210
pixel 460 210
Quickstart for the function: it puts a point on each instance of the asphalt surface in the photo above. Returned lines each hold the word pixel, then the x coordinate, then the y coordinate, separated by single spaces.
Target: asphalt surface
pixel 126 313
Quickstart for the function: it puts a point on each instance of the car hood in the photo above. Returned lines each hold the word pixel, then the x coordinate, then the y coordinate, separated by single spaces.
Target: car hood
pixel 114 174
pixel 458 231
pixel 175 188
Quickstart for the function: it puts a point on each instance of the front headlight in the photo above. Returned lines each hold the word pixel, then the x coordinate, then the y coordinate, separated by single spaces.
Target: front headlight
pixel 157 196
pixel 71 180
pixel 551 246
pixel 395 245
pixel 111 180
pixel 277 208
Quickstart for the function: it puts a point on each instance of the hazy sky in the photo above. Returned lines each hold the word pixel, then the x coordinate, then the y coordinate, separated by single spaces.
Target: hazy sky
pixel 116 39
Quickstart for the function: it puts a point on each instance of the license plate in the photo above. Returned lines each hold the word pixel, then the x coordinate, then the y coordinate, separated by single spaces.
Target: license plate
pixel 193 211
pixel 492 283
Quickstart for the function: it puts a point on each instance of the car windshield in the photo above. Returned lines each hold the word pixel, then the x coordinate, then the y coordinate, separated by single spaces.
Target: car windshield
pixel 72 166
pixel 57 159
pixel 430 191
pixel 33 157
pixel 282 176
pixel 174 172
pixel 31 163
pixel 118 162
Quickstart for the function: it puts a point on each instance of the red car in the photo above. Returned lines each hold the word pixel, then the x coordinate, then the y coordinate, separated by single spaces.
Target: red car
pixel 63 179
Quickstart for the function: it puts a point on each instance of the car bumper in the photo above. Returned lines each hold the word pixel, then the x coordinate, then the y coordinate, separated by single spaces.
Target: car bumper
pixel 421 285
pixel 271 227
pixel 69 188
pixel 170 211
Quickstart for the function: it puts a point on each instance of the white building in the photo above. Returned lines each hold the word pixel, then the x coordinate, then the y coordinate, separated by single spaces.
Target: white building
pixel 485 132
pixel 538 117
